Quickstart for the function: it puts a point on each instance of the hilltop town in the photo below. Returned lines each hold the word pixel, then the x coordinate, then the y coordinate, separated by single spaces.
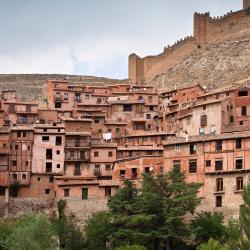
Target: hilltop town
pixel 80 141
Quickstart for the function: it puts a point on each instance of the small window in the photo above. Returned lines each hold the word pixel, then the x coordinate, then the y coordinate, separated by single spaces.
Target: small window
pixel 108 167
pixel 241 122
pixel 238 164
pixel 66 96
pixel 231 119
pixel 218 165
pixel 16 147
pixel 203 120
pixel 238 143
pixel 122 173
pixel 202 131
pixel 243 93
pixel 24 176
pixel 45 130
pixel 97 121
pixel 110 153
pixel 239 184
pixel 219 185
pixel 148 116
pixel 19 134
pixel 178 148
pixel 48 167
pixel 58 140
pixel 96 153
pixel 218 201
pixel 58 105
pixel 117 130
pixel 192 166
pixel 243 110
pixel 58 165
pixel 57 152
pixel 107 191
pixel 49 154
pixel 28 148
pixel 192 149
pixel 66 192
pixel 177 163
pixel 14 176
pixel 218 145
pixel 51 179
pixel 204 107
pixel 27 163
pixel 14 163
pixel 47 191
pixel 45 138
pixel 151 108
pixel 38 178
pixel 208 163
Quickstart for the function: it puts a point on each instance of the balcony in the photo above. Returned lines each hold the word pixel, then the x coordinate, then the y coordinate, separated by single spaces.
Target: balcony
pixel 77 144
pixel 76 158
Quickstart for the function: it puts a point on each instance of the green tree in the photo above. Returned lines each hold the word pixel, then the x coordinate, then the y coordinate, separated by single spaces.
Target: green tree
pixel 212 245
pixel 32 232
pixel 154 216
pixel 245 218
pixel 207 225
pixel 232 234
pixel 97 231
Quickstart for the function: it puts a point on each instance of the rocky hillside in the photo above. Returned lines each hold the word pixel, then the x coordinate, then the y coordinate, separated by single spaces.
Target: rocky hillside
pixel 33 86
pixel 212 66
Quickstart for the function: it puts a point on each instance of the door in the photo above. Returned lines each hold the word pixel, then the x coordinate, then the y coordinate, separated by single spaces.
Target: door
pixel 85 193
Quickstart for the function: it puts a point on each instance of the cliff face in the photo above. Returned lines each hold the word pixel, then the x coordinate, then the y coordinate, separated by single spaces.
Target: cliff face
pixel 212 66
pixel 34 86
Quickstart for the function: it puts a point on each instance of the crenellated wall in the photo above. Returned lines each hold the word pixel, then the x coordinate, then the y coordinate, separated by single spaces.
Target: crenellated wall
pixel 207 30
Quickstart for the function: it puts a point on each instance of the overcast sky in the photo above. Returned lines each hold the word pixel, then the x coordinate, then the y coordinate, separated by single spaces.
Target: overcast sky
pixel 93 37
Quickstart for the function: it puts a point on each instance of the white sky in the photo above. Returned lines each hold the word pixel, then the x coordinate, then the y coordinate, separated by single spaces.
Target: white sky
pixel 93 37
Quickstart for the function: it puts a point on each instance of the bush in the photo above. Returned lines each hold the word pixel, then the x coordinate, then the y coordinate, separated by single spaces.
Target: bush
pixel 134 247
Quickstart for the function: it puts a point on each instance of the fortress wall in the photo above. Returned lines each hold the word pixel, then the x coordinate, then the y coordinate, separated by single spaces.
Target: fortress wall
pixel 145 69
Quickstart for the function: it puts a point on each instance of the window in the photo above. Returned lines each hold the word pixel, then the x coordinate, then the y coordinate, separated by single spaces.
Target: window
pixel 192 149
pixel 66 97
pixel 45 138
pixel 127 107
pixel 96 153
pixel 58 105
pixel 148 116
pixel 107 191
pixel 243 93
pixel 58 140
pixel 99 100
pixel 241 123
pixel 218 201
pixel 19 134
pixel 49 154
pixel 238 164
pixel 51 179
pixel 47 191
pixel 23 176
pixel 202 131
pixel 231 119
pixel 97 121
pixel 27 163
pixel 150 98
pixel 122 173
pixel 45 130
pixel 192 166
pixel 38 178
pixel 66 192
pixel 244 110
pixel 14 163
pixel 219 185
pixel 151 108
pixel 117 130
pixel 78 97
pixel 218 165
pixel 57 152
pixel 14 176
pixel 28 148
pixel 107 167
pixel 110 153
pixel 177 163
pixel 204 107
pixel 239 184
pixel 58 165
pixel 218 145
pixel 48 167
pixel 208 163
pixel 203 120
pixel 238 143
pixel 16 147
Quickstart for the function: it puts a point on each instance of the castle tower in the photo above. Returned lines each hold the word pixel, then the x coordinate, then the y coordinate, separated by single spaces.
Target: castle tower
pixel 246 4
pixel 200 27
